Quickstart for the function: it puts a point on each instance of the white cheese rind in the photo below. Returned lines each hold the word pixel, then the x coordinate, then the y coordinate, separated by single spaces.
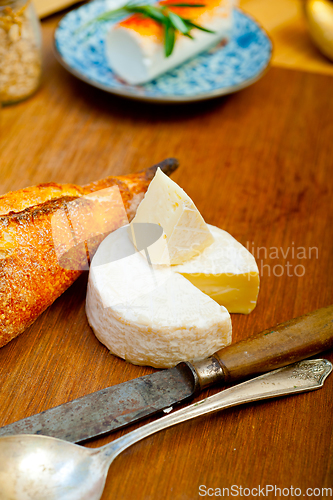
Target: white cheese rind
pixel 138 59
pixel 151 316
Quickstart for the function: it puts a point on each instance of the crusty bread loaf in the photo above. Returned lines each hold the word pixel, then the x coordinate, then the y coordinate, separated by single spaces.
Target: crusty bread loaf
pixel 31 274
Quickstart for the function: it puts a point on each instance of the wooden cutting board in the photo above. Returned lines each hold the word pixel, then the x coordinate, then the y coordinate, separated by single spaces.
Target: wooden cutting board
pixel 257 163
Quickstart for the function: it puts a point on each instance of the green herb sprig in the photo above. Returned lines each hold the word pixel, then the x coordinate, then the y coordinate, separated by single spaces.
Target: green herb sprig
pixel 171 22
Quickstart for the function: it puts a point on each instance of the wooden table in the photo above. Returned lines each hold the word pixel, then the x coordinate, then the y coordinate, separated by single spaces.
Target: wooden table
pixel 258 164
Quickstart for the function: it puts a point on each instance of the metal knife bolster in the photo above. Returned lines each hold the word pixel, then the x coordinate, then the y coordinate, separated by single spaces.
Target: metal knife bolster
pixel 205 373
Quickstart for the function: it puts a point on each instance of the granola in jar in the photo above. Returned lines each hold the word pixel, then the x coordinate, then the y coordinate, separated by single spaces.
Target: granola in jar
pixel 20 50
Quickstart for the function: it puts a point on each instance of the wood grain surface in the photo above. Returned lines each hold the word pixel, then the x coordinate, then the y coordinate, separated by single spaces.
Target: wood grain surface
pixel 257 164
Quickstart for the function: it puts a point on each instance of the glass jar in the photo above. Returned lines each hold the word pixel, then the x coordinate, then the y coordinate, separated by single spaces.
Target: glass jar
pixel 20 50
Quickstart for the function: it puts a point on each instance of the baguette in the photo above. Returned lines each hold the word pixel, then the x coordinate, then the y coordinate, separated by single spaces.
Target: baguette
pixel 32 274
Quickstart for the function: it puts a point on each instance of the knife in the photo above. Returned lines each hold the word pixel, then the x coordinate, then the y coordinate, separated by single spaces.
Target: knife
pixel 101 412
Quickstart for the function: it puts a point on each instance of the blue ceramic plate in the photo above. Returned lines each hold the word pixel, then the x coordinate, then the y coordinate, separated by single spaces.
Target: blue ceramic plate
pixel 218 71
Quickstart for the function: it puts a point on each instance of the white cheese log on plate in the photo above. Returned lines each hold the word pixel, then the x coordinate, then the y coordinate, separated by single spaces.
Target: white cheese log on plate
pixel 135 46
pixel 150 315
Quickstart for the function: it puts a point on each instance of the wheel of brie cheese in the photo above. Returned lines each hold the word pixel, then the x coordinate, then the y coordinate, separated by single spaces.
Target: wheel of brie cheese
pixel 161 300
pixel 150 315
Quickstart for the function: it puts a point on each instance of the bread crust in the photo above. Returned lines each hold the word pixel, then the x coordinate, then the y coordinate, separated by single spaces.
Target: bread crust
pixel 31 278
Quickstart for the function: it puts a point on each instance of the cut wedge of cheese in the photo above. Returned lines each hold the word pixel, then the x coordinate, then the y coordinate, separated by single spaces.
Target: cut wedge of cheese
pixel 150 315
pixel 135 46
pixel 185 233
pixel 226 271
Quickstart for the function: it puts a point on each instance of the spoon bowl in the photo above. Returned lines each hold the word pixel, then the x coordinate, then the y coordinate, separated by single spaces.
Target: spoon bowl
pixel 40 468
pixel 34 467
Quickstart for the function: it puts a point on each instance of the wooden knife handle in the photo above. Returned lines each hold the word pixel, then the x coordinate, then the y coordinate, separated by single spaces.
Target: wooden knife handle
pixel 275 347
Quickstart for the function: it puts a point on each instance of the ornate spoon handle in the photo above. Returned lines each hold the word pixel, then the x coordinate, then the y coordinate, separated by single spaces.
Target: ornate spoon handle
pixel 299 377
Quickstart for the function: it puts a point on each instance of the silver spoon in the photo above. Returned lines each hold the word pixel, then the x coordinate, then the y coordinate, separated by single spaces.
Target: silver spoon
pixel 44 468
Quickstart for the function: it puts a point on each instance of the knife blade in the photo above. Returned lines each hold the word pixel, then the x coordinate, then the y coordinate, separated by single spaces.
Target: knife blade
pixel 114 407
